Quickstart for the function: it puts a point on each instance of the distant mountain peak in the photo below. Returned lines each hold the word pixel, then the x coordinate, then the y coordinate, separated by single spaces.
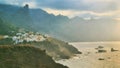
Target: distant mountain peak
pixel 26 6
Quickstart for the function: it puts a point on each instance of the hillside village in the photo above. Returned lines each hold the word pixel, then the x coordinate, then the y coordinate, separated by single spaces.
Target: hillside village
pixel 22 37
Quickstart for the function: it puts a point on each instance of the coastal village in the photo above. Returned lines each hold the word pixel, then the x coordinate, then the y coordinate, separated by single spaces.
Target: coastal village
pixel 27 37
pixel 21 37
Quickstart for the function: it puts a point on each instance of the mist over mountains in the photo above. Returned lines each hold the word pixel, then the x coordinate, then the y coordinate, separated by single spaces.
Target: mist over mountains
pixel 14 36
pixel 61 27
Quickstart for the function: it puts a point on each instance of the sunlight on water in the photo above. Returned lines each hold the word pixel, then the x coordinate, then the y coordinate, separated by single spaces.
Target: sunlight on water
pixel 91 58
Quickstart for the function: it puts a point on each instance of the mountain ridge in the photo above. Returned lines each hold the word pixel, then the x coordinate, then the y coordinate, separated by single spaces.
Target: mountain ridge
pixel 55 48
pixel 64 28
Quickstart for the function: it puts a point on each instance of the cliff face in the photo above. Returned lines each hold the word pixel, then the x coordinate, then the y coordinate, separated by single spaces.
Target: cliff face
pixel 25 57
pixel 57 49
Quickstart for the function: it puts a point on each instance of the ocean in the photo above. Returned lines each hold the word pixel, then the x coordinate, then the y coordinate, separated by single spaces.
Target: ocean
pixel 92 58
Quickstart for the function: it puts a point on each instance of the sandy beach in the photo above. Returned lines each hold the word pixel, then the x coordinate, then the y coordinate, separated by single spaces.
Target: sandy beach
pixel 91 58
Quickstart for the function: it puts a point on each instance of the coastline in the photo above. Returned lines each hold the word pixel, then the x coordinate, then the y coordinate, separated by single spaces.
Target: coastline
pixel 91 59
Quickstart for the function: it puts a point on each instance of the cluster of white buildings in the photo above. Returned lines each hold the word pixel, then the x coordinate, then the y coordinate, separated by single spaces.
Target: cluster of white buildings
pixel 28 37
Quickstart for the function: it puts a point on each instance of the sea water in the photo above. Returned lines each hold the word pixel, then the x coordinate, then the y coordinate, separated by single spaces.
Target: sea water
pixel 91 58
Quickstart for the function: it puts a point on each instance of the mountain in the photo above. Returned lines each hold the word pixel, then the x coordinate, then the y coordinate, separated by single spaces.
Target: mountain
pixel 62 27
pixel 55 48
pixel 47 23
pixel 25 57
pixel 7 8
pixel 6 28
pixel 103 29
pixel 32 19
pixel 21 18
pixel 14 25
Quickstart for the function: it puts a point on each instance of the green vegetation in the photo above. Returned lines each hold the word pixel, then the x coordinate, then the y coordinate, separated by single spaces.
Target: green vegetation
pixel 7 41
pixel 6 29
pixel 25 57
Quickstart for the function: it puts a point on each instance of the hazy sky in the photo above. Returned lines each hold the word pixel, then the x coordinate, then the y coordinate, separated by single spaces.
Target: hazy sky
pixel 83 8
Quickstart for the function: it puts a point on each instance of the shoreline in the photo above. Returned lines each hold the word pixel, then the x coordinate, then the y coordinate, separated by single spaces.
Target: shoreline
pixel 91 59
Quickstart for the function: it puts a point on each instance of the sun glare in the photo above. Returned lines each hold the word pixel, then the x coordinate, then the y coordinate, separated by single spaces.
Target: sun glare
pixel 117 19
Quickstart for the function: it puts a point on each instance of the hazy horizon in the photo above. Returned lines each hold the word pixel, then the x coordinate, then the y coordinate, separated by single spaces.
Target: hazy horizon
pixel 71 8
pixel 60 33
pixel 95 20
